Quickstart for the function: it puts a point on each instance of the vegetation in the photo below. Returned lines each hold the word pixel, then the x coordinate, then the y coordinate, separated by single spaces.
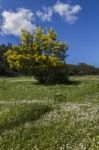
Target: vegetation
pixel 41 55
pixel 82 69
pixel 39 116
pixel 70 69
pixel 4 67
pixel 34 116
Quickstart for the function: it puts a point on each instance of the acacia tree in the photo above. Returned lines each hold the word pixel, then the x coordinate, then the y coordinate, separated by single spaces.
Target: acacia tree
pixel 40 54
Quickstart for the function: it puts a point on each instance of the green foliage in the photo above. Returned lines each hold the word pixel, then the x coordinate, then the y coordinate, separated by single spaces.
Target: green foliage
pixel 4 67
pixel 40 54
pixel 82 69
pixel 51 74
pixel 26 38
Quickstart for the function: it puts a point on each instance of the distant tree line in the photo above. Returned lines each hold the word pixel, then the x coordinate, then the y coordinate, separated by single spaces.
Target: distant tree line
pixel 82 69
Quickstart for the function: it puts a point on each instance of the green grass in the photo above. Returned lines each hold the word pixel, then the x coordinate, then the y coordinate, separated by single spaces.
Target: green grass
pixel 15 115
pixel 18 89
pixel 57 117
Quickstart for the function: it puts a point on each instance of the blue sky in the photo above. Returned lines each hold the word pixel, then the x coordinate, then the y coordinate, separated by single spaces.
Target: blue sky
pixel 75 21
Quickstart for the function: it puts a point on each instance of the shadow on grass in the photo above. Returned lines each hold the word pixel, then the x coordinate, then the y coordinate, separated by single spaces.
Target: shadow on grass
pixel 18 115
pixel 68 82
pixel 73 82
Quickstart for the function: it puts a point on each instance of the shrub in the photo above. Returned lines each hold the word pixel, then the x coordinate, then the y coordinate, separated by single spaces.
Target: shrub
pixel 51 74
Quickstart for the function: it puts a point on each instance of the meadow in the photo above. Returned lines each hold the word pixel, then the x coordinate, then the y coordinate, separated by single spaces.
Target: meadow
pixel 49 117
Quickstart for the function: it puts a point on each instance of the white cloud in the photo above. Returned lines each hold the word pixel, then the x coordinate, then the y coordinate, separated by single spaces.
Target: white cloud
pixel 67 11
pixel 14 22
pixel 46 14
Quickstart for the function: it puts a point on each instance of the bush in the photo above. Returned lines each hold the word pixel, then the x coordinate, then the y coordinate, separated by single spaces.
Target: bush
pixel 51 74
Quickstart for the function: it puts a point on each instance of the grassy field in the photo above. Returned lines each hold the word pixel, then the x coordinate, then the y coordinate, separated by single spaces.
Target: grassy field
pixel 52 117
